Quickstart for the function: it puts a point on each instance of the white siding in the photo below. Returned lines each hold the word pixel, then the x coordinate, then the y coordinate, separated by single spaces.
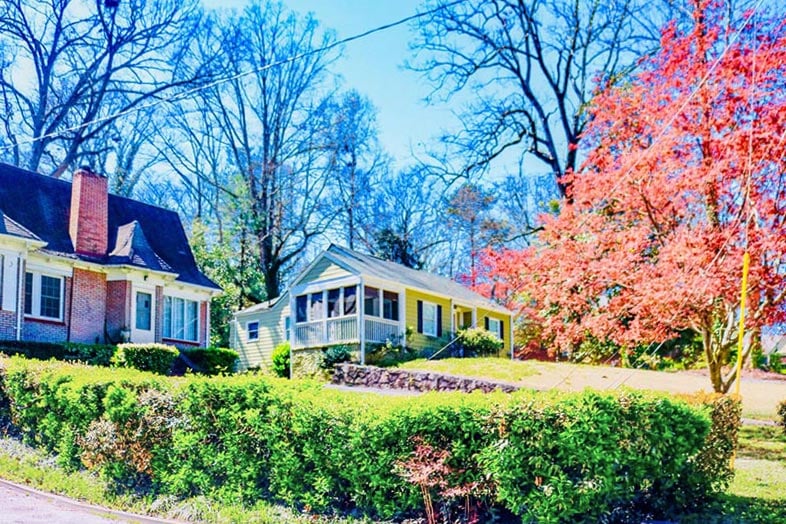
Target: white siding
pixel 324 270
pixel 258 353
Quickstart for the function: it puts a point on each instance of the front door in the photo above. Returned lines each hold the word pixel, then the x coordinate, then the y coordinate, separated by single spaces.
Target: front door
pixel 144 317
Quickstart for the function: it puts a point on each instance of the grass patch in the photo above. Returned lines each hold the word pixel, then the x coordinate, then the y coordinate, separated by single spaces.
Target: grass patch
pixel 492 368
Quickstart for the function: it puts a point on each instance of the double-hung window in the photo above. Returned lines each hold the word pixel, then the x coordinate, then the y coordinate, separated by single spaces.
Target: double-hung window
pixel 181 319
pixel 253 330
pixel 429 319
pixel 44 296
pixel 493 325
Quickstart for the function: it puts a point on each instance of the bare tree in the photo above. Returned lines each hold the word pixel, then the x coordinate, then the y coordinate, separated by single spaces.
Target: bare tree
pixel 70 67
pixel 531 67
pixel 257 138
pixel 408 225
pixel 357 165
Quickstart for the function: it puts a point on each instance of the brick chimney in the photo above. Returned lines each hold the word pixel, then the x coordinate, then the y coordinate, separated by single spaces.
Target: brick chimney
pixel 89 215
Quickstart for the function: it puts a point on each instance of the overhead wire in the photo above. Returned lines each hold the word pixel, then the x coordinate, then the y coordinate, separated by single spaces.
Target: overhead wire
pixel 264 67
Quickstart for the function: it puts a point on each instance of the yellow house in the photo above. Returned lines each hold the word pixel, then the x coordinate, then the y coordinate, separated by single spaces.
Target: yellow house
pixel 346 297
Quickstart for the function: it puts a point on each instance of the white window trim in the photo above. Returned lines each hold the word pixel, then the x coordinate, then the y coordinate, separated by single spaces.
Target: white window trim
pixel 494 324
pixel 152 295
pixel 433 332
pixel 35 306
pixel 248 330
pixel 198 318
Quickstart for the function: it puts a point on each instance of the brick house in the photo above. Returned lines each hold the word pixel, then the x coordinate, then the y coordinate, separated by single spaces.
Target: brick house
pixel 78 264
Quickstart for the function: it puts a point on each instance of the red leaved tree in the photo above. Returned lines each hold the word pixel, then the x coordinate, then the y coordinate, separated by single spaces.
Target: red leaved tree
pixel 685 172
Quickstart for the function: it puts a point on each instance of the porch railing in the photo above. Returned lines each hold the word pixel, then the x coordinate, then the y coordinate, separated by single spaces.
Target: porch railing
pixel 343 330
pixel 324 332
pixel 381 330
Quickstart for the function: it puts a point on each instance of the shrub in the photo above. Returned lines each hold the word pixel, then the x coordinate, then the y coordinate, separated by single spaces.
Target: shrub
pixel 156 358
pixel 782 414
pixel 389 354
pixel 540 457
pixel 94 354
pixel 212 361
pixel 335 355
pixel 280 360
pixel 478 342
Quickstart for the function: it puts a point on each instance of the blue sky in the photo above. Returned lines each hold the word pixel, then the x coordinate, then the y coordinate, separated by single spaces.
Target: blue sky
pixel 374 66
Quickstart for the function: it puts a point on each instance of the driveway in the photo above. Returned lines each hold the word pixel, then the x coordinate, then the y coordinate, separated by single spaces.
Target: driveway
pixel 22 505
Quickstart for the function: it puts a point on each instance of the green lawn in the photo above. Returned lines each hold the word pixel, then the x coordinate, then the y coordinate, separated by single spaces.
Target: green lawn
pixel 491 367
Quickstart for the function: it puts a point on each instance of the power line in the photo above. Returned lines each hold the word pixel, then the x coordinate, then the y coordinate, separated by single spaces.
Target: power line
pixel 190 92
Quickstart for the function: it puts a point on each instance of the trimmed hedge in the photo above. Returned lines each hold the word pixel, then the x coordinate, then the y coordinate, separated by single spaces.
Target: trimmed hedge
pixel 93 354
pixel 156 358
pixel 212 361
pixel 542 457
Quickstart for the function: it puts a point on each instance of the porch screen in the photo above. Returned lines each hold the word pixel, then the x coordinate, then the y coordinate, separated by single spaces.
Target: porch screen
pixel 301 308
pixel 371 302
pixel 350 300
pixel 334 303
pixel 316 306
pixel 390 305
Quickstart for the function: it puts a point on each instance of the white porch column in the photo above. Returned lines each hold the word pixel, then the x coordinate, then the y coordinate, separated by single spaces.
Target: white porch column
pixel 402 321
pixel 361 300
pixel 324 317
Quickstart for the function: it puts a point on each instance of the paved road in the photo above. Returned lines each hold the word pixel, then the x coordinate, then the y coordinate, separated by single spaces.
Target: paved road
pixel 22 505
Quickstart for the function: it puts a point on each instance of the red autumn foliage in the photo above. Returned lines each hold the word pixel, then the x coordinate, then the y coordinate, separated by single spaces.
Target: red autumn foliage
pixel 685 171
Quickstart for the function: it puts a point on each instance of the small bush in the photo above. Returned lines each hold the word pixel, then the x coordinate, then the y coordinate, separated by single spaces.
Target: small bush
pixel 93 354
pixel 782 414
pixel 335 355
pixel 478 342
pixel 156 358
pixel 389 354
pixel 281 360
pixel 212 361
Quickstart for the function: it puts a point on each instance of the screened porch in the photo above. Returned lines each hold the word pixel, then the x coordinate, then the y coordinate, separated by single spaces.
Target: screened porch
pixel 336 316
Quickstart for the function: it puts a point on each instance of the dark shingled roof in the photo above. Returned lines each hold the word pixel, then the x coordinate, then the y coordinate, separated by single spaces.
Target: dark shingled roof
pixel 10 227
pixel 139 234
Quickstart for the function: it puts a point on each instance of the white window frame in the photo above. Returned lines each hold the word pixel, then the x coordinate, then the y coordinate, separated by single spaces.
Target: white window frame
pixel 494 324
pixel 152 296
pixel 35 296
pixel 433 331
pixel 249 330
pixel 168 300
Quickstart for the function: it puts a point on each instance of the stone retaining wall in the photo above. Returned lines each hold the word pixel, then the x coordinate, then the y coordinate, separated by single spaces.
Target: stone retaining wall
pixel 392 378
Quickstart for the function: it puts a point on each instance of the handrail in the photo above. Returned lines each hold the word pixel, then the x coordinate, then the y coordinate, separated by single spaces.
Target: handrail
pixel 443 348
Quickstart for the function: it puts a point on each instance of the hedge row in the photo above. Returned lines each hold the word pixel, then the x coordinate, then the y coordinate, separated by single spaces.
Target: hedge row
pixel 544 457
pixel 157 358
